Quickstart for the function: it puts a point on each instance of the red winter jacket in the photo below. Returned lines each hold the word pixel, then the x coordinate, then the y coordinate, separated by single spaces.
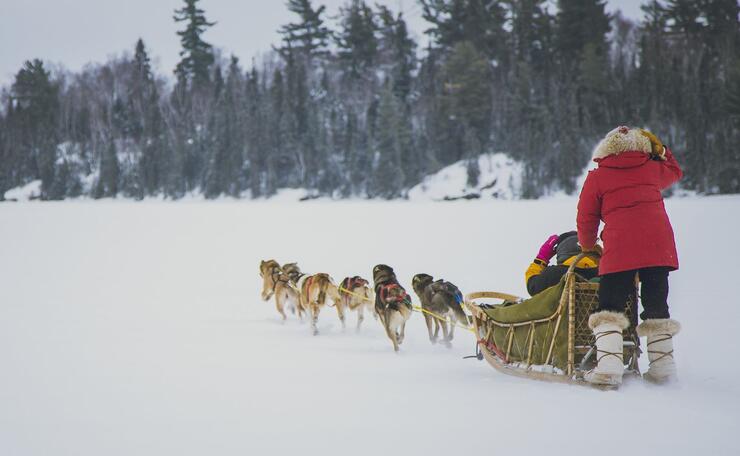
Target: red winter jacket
pixel 625 193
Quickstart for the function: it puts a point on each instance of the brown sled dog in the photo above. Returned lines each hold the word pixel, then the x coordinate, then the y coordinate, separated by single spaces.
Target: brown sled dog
pixel 356 296
pixel 443 299
pixel 314 289
pixel 276 283
pixel 392 304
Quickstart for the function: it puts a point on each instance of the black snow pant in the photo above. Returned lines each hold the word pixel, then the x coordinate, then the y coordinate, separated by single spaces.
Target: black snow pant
pixel 615 289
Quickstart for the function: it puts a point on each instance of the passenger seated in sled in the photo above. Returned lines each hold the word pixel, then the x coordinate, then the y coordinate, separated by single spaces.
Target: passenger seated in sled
pixel 540 276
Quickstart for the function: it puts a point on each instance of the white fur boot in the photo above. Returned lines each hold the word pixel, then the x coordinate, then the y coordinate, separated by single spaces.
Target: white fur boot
pixel 659 333
pixel 607 327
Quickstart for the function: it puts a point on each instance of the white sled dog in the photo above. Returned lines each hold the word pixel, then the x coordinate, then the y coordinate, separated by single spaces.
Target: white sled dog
pixel 357 297
pixel 314 291
pixel 276 283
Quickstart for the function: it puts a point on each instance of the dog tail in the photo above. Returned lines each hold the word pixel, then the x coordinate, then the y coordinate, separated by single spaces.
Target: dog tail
pixel 323 285
pixel 459 312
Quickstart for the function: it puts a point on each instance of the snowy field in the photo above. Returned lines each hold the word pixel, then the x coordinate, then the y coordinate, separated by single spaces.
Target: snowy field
pixel 137 329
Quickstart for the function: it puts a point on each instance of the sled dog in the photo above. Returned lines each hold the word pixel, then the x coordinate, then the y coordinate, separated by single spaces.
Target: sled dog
pixel 276 283
pixel 356 296
pixel 314 290
pixel 392 303
pixel 441 298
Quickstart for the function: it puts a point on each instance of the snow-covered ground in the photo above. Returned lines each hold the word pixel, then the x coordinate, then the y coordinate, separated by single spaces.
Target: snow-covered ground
pixel 500 178
pixel 137 329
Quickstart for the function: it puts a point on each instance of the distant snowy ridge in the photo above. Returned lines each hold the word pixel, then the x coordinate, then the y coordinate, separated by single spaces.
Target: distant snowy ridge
pixel 30 191
pixel 500 178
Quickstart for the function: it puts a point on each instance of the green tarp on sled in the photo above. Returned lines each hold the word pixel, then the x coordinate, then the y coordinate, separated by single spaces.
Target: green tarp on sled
pixel 539 307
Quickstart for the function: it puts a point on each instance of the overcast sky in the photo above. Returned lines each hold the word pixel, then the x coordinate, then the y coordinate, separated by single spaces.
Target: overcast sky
pixel 75 32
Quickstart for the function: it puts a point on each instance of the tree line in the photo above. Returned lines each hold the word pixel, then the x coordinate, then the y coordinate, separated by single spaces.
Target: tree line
pixel 353 107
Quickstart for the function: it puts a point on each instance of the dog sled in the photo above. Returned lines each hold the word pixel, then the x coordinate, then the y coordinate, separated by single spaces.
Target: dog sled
pixel 547 336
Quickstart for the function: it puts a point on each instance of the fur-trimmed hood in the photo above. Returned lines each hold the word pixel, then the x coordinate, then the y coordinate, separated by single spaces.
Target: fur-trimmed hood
pixel 622 139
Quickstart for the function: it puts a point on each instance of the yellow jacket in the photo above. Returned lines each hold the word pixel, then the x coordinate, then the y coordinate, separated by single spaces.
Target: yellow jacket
pixel 538 265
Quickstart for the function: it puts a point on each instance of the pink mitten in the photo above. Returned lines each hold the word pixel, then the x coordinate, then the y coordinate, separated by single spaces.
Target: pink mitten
pixel 547 250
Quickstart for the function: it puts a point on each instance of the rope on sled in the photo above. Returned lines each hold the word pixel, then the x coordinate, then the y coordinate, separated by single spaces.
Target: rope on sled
pixel 415 308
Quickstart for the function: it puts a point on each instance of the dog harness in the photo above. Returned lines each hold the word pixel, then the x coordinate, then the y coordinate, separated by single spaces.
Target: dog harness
pixel 449 288
pixel 394 293
pixel 350 283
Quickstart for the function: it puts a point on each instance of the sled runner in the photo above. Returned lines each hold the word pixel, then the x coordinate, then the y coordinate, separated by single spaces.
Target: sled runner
pixel 547 336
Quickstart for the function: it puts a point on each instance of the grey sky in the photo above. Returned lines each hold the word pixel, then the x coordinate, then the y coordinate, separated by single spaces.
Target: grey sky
pixel 76 32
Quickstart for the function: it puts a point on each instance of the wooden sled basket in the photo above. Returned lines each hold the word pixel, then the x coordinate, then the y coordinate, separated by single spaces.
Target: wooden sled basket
pixel 549 340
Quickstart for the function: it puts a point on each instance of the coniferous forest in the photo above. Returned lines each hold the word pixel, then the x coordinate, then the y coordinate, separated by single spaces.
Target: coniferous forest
pixel 354 107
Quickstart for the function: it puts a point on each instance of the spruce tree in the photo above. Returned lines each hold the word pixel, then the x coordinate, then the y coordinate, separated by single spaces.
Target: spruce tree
pixel 526 119
pixel 581 23
pixel 194 95
pixel 36 114
pixel 225 163
pixel 310 36
pixel 581 89
pixel 387 170
pixel 479 22
pixel 357 42
pixel 399 51
pixel 197 55
pixel 108 180
pixel 466 99
pixel 145 104
pixel 531 33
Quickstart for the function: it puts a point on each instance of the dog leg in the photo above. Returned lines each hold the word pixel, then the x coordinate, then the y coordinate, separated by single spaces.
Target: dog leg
pixel 391 326
pixel 430 324
pixel 360 316
pixel 287 300
pixel 304 310
pixel 452 329
pixel 292 304
pixel 340 313
pixel 280 306
pixel 392 335
pixel 436 328
pixel 314 318
pixel 403 332
pixel 445 334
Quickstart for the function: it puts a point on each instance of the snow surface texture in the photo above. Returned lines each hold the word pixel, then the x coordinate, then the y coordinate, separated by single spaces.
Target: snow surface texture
pixel 137 329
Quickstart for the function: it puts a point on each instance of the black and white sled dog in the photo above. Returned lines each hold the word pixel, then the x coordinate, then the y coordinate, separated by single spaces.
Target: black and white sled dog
pixel 392 303
pixel 442 299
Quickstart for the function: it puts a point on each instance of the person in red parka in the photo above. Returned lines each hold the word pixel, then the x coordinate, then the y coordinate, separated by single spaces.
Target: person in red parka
pixel 625 193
